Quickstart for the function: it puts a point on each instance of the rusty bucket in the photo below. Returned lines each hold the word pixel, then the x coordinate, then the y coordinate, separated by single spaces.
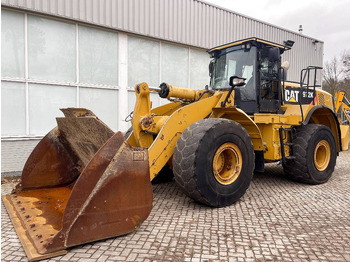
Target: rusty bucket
pixel 81 183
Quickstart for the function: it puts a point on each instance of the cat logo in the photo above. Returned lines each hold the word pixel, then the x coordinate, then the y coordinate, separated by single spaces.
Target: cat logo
pixel 291 96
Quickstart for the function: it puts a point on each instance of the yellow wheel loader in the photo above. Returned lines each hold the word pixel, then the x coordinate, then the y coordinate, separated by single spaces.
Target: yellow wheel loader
pixel 84 183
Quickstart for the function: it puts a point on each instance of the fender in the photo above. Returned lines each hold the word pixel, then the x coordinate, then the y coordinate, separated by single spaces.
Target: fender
pixel 324 115
pixel 241 117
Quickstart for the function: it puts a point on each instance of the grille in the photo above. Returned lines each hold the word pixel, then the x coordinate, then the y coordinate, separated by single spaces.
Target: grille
pixel 320 98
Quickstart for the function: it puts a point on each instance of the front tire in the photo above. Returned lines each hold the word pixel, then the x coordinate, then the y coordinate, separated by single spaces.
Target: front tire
pixel 315 154
pixel 213 161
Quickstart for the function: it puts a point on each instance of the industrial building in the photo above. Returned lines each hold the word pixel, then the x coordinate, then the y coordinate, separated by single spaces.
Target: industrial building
pixel 91 53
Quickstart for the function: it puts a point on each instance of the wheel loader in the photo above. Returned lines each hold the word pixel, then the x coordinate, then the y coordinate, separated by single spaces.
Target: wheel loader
pixel 84 183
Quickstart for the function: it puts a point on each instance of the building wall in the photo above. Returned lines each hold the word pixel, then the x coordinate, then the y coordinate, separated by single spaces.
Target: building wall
pixel 75 53
pixel 189 22
pixel 14 154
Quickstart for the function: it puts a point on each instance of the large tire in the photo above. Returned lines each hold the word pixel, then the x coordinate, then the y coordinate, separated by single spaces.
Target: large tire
pixel 315 154
pixel 213 161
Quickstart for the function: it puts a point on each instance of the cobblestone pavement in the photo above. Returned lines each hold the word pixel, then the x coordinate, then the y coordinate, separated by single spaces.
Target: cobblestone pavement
pixel 276 220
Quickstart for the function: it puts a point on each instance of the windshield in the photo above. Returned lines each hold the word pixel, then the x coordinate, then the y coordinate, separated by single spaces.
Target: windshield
pixel 239 63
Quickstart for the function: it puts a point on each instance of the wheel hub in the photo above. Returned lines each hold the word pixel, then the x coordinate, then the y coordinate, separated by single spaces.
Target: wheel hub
pixel 227 163
pixel 322 155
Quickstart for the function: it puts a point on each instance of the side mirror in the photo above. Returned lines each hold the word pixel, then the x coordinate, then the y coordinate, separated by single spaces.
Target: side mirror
pixel 274 54
pixel 211 67
pixel 237 81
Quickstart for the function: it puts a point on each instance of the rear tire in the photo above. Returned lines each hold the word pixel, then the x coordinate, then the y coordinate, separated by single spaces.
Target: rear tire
pixel 213 161
pixel 315 154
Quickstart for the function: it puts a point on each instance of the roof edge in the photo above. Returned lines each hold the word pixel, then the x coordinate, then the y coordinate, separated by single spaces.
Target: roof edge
pixel 257 20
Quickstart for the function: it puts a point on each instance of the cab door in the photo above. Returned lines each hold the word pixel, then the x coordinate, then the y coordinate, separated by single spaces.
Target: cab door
pixel 269 85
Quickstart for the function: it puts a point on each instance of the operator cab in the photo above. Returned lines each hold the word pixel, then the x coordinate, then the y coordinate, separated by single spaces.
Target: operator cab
pixel 259 62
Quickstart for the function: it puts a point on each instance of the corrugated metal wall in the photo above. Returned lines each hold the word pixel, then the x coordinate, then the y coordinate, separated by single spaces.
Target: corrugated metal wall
pixel 190 22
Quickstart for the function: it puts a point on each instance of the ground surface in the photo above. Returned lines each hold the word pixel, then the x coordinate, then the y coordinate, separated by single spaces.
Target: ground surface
pixel 276 220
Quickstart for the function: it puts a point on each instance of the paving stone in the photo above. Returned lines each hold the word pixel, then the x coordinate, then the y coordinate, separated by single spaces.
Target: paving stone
pixel 276 220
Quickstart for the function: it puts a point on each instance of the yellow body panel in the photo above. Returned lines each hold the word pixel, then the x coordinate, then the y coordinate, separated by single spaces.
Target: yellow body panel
pixel 167 109
pixel 271 141
pixel 324 98
pixel 272 144
pixel 269 125
pixel 339 96
pixel 344 129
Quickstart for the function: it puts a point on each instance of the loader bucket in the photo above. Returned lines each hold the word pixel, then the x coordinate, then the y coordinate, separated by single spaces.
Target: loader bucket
pixel 66 199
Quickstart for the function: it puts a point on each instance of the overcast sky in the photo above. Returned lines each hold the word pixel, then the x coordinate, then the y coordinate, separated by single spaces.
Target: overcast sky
pixel 325 20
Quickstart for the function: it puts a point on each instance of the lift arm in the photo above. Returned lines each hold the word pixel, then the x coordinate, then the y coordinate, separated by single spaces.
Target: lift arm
pixel 340 104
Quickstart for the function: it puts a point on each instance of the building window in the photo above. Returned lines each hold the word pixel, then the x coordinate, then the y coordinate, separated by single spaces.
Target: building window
pixel 103 103
pixel 174 65
pixel 51 50
pixel 44 104
pixel 67 65
pixel 199 69
pixel 12 44
pixel 13 111
pixel 143 61
pixel 98 56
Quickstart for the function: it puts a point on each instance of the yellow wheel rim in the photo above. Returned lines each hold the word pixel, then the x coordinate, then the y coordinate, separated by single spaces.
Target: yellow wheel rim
pixel 227 163
pixel 322 155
